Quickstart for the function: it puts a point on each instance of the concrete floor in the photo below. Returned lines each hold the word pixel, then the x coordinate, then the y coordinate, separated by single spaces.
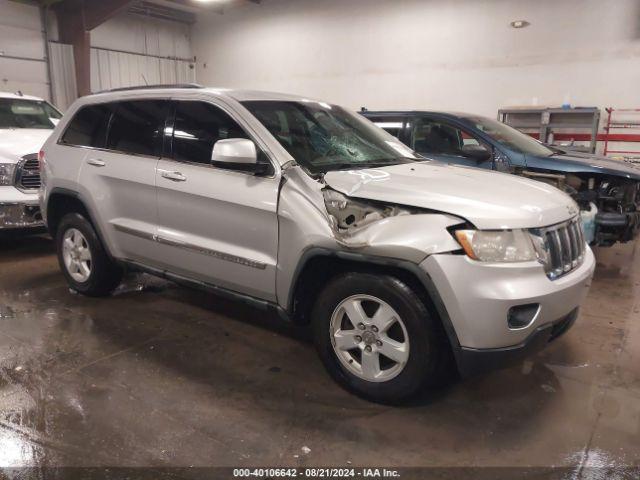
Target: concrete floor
pixel 159 375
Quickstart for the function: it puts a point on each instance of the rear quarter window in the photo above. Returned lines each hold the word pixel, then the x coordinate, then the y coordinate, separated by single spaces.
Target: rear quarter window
pixel 88 128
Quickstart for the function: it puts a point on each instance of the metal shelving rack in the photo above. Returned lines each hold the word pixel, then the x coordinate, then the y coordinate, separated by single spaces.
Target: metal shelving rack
pixel 550 125
pixel 629 123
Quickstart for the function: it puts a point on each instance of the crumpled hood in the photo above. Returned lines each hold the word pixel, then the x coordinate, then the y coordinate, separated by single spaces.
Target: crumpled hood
pixel 15 143
pixel 489 200
pixel 586 162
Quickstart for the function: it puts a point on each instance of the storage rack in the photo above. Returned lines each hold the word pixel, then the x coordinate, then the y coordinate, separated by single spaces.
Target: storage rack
pixel 552 125
pixel 630 121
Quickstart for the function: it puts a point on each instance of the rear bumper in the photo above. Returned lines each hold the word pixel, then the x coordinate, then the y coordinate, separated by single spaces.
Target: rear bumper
pixel 472 361
pixel 19 210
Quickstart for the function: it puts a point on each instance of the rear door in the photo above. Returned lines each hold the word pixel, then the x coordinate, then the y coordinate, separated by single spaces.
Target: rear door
pixel 216 225
pixel 119 177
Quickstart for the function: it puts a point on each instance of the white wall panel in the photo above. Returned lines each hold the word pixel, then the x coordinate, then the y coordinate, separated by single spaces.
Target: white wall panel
pixel 135 33
pixel 20 42
pixel 118 69
pixel 438 54
pixel 28 77
pixel 21 36
pixel 63 74
pixel 131 50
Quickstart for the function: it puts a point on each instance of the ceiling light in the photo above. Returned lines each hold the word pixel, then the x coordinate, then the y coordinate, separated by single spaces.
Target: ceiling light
pixel 519 24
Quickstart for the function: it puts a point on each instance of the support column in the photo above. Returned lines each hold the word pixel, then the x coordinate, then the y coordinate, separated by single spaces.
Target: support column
pixel 76 19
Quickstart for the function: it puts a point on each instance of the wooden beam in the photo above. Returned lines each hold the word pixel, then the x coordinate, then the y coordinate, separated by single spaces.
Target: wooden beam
pixel 76 19
pixel 72 30
pixel 96 13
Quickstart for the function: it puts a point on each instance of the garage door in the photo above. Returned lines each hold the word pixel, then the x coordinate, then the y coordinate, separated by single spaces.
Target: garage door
pixel 22 54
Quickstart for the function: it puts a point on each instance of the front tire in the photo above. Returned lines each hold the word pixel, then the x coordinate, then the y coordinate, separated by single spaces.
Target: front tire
pixel 377 338
pixel 84 262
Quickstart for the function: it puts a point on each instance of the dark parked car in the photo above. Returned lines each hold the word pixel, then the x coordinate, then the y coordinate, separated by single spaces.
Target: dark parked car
pixel 606 190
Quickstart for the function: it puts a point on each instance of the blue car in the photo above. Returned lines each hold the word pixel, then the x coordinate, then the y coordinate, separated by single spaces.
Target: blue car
pixel 606 190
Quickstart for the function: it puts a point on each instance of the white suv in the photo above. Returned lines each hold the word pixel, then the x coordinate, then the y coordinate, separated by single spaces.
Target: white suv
pixel 25 123
pixel 402 266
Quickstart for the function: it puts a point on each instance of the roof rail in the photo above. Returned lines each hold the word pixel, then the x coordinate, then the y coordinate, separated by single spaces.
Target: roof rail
pixel 150 87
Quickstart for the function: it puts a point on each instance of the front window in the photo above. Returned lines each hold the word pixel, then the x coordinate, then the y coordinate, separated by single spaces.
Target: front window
pixel 322 137
pixel 20 113
pixel 510 137
pixel 392 125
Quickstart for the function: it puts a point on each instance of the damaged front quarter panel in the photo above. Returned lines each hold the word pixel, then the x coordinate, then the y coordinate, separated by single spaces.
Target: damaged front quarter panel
pixel 388 230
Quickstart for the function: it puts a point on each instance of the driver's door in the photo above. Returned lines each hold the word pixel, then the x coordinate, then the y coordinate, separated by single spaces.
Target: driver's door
pixel 216 225
pixel 443 141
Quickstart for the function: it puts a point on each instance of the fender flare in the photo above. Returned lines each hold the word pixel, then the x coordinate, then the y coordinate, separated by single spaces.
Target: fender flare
pixel 410 267
pixel 92 217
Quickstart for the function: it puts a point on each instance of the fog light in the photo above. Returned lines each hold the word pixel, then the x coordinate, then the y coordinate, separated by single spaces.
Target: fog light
pixel 522 316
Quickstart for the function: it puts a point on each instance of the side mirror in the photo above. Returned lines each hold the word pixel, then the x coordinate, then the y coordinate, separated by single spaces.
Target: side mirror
pixel 477 153
pixel 238 154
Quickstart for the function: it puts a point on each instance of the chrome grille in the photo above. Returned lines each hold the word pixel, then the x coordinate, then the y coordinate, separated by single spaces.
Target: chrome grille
pixel 28 173
pixel 561 247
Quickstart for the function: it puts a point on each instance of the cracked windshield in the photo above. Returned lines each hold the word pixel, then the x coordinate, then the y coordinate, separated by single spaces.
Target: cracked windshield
pixel 323 137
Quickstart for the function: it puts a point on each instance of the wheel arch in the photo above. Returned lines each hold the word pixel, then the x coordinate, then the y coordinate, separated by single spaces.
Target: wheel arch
pixel 318 265
pixel 62 201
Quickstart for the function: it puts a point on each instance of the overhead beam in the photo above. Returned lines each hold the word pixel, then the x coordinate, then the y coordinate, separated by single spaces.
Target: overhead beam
pixel 76 19
pixel 96 13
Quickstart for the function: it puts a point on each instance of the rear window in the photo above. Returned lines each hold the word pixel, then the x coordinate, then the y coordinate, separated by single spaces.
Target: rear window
pixel 88 128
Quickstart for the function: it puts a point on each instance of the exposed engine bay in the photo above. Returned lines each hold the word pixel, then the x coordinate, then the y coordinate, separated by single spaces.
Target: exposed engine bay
pixel 616 199
pixel 348 218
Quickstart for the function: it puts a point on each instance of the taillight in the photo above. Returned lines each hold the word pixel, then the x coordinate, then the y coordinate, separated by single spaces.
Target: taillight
pixel 41 160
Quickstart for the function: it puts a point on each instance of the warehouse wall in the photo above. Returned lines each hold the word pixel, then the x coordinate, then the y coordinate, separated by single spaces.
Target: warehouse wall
pixel 441 54
pixel 131 50
pixel 22 50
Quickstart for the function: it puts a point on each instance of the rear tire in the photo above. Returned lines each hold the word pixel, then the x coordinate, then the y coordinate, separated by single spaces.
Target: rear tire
pixel 377 338
pixel 83 260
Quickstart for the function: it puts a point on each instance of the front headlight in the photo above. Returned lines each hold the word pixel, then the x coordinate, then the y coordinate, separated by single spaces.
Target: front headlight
pixel 7 171
pixel 497 245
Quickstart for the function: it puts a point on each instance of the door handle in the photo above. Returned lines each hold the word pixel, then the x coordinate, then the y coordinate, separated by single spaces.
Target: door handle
pixel 96 162
pixel 173 176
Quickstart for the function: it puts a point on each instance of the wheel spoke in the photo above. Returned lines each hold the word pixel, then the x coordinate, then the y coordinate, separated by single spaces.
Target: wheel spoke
pixel 345 339
pixel 77 238
pixel 384 317
pixel 370 364
pixel 85 254
pixel 74 267
pixel 68 244
pixel 354 311
pixel 394 350
pixel 84 269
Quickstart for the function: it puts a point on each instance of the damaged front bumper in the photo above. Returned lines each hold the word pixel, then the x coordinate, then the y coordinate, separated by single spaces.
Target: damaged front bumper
pixel 20 215
pixel 503 312
pixel 19 210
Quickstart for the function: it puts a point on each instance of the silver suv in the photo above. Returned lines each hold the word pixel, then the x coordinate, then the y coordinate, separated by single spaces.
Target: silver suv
pixel 403 267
